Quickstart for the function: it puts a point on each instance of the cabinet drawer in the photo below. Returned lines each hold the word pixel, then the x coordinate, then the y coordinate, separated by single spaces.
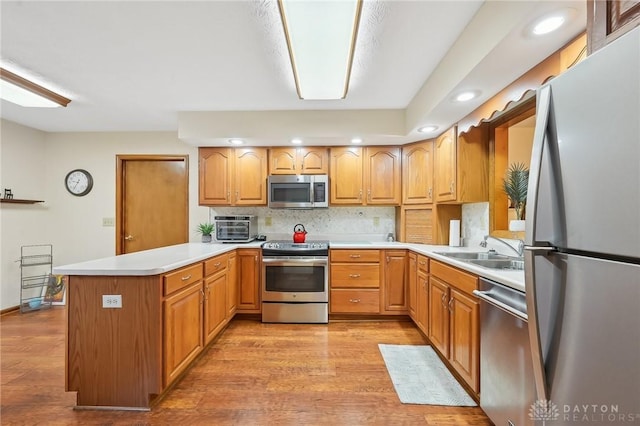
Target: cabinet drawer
pixel 355 255
pixel 182 277
pixel 423 263
pixel 357 275
pixel 216 264
pixel 355 301
pixel 455 277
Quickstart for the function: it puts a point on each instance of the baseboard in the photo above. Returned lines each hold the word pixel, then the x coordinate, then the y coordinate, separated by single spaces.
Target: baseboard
pixel 10 310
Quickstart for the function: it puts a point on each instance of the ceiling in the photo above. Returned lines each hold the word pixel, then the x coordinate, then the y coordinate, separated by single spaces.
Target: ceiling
pixel 212 70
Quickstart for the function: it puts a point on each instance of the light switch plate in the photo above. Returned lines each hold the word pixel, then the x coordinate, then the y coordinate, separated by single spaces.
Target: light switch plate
pixel 108 221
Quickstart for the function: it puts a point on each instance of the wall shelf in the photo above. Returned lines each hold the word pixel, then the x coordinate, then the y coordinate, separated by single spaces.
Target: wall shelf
pixel 19 201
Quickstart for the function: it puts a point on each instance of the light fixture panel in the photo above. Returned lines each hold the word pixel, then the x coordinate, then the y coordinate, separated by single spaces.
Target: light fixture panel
pixel 20 91
pixel 321 39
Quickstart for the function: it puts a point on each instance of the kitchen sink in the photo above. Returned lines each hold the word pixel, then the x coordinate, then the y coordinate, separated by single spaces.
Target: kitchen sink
pixel 484 255
pixel 513 264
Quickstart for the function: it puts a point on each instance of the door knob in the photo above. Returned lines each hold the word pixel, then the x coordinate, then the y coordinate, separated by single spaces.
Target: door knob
pixel 129 237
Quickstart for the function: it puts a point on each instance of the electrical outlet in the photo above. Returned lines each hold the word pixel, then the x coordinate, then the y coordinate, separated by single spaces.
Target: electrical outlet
pixel 267 221
pixel 112 301
pixel 376 221
pixel 108 221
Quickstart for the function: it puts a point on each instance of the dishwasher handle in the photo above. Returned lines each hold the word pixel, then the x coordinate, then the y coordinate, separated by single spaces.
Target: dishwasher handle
pixel 486 296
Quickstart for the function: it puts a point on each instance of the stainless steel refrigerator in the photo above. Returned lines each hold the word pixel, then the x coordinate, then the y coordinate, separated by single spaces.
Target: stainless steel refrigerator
pixel 582 270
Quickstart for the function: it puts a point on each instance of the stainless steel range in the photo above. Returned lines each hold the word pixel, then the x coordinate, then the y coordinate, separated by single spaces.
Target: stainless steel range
pixel 295 282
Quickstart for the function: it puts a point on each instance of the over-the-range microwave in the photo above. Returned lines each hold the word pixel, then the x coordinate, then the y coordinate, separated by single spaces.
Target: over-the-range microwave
pixel 298 191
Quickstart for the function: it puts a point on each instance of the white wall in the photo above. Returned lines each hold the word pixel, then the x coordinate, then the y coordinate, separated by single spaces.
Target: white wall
pixel 22 169
pixel 74 224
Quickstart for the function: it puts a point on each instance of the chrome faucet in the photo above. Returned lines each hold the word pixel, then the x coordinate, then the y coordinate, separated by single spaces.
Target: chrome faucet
pixel 519 251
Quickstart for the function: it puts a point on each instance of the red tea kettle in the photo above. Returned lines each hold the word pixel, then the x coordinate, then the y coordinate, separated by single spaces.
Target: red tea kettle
pixel 299 233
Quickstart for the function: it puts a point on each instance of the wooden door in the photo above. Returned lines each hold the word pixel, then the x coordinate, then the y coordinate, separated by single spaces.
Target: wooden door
pixel 382 175
pixel 346 175
pixel 215 304
pixel 413 286
pixel 445 167
pixel 248 267
pixel 417 173
pixel 313 160
pixel 152 202
pixel 214 176
pixel 282 161
pixel 250 177
pixel 395 291
pixel 465 337
pixel 183 327
pixel 439 315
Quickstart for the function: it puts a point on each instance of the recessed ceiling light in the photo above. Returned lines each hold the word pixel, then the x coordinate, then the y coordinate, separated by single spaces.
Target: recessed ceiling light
pixel 356 140
pixel 236 141
pixel 548 24
pixel 465 96
pixel 296 141
pixel 427 129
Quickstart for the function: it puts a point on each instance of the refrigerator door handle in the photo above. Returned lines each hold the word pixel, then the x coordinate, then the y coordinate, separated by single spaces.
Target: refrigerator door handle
pixel 534 325
pixel 539 137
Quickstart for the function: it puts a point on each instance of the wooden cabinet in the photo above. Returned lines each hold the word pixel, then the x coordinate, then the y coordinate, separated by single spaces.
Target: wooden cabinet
pixel 354 281
pixel 609 19
pixel 454 324
pixel 248 274
pixel 365 176
pixel 461 166
pixel 395 291
pixel 417 173
pixel 215 296
pixel 412 284
pixel 232 176
pixel 422 294
pixel 183 320
pixel 415 224
pixel 232 283
pixel 298 161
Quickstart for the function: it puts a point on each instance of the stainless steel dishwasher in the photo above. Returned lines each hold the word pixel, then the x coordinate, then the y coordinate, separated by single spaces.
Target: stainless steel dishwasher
pixel 507 387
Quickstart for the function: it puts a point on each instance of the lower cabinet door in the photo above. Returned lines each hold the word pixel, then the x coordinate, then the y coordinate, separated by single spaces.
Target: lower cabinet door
pixel 183 325
pixel 215 305
pixel 465 337
pixel 439 315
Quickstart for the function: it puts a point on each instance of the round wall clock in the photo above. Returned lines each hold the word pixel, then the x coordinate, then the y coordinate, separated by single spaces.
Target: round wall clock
pixel 78 182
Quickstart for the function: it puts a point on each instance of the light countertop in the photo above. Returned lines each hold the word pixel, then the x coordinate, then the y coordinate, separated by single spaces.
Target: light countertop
pixel 165 259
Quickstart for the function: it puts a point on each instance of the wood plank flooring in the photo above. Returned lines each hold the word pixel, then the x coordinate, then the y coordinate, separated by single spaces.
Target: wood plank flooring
pixel 254 374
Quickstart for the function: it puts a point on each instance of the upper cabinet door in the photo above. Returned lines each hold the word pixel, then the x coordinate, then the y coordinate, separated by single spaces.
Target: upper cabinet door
pixel 250 176
pixel 417 173
pixel 216 165
pixel 282 161
pixel 382 175
pixel 445 166
pixel 345 177
pixel 313 160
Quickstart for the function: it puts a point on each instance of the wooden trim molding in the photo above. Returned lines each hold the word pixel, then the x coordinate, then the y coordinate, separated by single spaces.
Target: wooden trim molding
pixel 33 87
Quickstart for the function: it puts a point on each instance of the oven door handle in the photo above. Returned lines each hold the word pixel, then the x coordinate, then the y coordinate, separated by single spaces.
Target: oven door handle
pixel 295 262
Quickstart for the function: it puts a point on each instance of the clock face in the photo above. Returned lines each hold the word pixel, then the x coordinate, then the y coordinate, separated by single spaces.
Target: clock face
pixel 78 182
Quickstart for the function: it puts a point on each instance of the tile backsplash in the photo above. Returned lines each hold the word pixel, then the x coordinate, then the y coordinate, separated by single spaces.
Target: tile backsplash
pixel 475 223
pixel 331 221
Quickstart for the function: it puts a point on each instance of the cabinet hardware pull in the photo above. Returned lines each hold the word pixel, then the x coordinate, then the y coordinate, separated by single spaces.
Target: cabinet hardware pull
pixel 354 275
pixel 129 237
pixel 355 256
pixel 444 299
pixel 451 188
pixel 217 264
pixel 228 195
pixel 450 305
pixel 188 277
pixel 360 195
pixel 354 300
pixel 388 260
pixel 430 193
pixel 422 262
pixel 369 194
pixel 203 296
pixel 237 192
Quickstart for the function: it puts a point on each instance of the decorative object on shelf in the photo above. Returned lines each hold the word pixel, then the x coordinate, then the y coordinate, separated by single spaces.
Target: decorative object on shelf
pixel 515 185
pixel 78 182
pixel 8 195
pixel 206 229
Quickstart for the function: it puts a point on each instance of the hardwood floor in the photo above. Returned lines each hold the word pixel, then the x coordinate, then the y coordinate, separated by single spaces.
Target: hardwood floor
pixel 254 374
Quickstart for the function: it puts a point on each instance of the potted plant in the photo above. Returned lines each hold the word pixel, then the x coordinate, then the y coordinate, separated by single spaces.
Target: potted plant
pixel 206 229
pixel 515 185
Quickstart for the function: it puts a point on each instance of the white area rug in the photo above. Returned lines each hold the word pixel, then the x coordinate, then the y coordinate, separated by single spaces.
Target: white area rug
pixel 420 377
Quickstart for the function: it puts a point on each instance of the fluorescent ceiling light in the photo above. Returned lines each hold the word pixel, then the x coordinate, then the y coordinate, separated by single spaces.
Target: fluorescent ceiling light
pixel 23 92
pixel 321 36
